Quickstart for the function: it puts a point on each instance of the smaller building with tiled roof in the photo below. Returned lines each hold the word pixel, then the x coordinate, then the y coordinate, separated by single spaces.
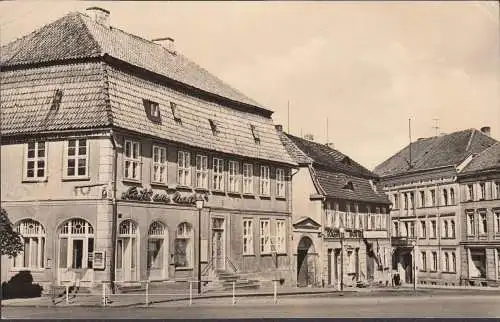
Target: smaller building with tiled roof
pixel 335 199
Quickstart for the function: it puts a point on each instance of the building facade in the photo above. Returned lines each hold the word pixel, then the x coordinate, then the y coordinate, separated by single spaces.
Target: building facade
pixel 108 140
pixel 480 217
pixel 339 219
pixel 425 195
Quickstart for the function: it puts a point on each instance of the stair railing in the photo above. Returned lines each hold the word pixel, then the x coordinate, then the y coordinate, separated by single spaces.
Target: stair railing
pixel 209 266
pixel 233 266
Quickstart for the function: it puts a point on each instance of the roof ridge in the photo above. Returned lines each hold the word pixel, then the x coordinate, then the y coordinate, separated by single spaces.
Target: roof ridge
pixel 470 140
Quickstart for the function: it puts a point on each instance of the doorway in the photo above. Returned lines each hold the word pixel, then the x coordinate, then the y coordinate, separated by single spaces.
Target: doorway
pixel 218 244
pixel 305 262
pixel 157 251
pixel 126 252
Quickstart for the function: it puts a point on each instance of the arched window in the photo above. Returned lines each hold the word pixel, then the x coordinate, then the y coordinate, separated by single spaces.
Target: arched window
pixel 446 262
pixel 453 262
pixel 126 251
pixel 184 246
pixel 445 197
pixel 33 238
pixel 452 229
pixel 445 232
pixel 76 244
pixel 452 196
pixel 157 250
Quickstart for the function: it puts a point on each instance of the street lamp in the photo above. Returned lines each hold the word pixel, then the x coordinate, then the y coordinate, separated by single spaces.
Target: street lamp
pixel 199 205
pixel 341 232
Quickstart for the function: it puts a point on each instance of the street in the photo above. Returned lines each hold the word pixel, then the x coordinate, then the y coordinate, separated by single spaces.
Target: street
pixel 288 307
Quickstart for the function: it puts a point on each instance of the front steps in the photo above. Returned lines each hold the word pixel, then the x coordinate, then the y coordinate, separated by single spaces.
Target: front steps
pixel 224 282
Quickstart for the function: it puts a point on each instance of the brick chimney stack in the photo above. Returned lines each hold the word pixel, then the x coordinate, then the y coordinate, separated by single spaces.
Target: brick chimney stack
pixel 99 15
pixel 167 43
pixel 486 130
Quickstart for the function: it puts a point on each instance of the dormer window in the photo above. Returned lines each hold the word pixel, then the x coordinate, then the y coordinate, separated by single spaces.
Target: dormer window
pixel 176 113
pixel 255 133
pixel 349 185
pixel 213 126
pixel 56 100
pixel 152 110
pixel 346 161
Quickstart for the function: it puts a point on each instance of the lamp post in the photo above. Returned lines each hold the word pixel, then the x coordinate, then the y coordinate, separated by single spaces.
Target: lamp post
pixel 199 205
pixel 341 232
pixel 414 244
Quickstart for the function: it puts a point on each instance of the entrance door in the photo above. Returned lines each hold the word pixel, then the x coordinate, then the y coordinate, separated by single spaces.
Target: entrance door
pixel 330 253
pixel 218 244
pixel 75 253
pixel 305 261
pixel 408 268
pixel 126 252
pixel 158 251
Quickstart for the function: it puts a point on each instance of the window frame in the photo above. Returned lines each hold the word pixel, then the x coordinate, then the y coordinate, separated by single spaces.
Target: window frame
pixel 233 177
pixel 201 172
pixel 280 240
pixel 265 236
pixel 280 183
pixel 190 257
pixel 471 229
pixel 76 157
pixel 434 257
pixel 185 169
pixel 483 223
pixel 132 160
pixel 41 247
pixel 265 182
pixel 218 175
pixel 161 165
pixel 35 161
pixel 248 237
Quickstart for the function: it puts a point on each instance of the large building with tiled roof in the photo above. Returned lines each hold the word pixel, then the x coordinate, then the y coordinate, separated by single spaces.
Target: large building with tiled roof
pixel 421 181
pixel 480 218
pixel 108 140
pixel 339 218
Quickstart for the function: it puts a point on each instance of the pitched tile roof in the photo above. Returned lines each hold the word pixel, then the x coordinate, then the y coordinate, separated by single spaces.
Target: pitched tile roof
pixel 487 160
pixel 332 170
pixel 434 152
pixel 76 35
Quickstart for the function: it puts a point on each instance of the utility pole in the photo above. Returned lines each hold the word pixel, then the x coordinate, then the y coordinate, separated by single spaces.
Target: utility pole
pixel 436 125
pixel 288 117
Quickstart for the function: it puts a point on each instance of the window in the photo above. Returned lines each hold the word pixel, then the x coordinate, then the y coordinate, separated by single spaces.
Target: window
pixel 434 261
pixel 36 160
pixel 76 158
pixel 396 201
pixel 265 234
pixel 470 192
pixel 433 197
pixel 76 244
pixel 159 164
pixel 498 263
pixel 423 230
pixel 183 168
pixel 264 180
pixel 445 197
pixel 422 198
pixel 349 185
pixel 213 126
pixel 405 196
pixel 452 227
pixel 234 176
pixel 56 99
pixel 477 260
pixel 483 224
pixel 202 171
pixel 280 182
pixel 184 246
pixel 446 262
pixel 373 224
pixel 423 260
pixel 280 237
pixel 157 240
pixel 176 113
pixel 452 196
pixel 445 229
pixel 497 189
pixel 247 178
pixel 218 175
pixel 497 222
pixel 33 240
pixel 132 160
pixel 433 229
pixel 470 224
pixel 412 200
pixel 482 191
pixel 453 262
pixel 395 227
pixel 412 229
pixel 248 237
pixel 152 110
pixel 255 133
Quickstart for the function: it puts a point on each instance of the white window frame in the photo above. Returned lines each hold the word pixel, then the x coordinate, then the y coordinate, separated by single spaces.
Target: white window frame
pixel 30 230
pixel 218 174
pixel 265 236
pixel 434 257
pixel 159 166
pixel 35 159
pixel 248 248
pixel 132 161
pixel 482 191
pixel 265 180
pixel 234 184
pixel 186 234
pixel 247 173
pixel 201 171
pixel 280 238
pixel 470 224
pixel 280 182
pixel 76 157
pixel 483 217
pixel 184 168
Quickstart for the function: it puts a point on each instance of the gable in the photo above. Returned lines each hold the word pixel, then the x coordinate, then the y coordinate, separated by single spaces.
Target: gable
pixel 306 223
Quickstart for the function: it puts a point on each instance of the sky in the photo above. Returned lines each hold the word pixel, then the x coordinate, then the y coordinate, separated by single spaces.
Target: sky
pixel 363 68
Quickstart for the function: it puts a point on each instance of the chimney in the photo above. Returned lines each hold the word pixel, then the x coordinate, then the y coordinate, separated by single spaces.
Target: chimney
pixel 331 145
pixel 279 127
pixel 99 15
pixel 309 137
pixel 486 130
pixel 167 43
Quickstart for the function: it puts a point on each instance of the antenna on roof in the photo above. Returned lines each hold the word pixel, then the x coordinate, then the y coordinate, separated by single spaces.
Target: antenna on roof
pixel 409 135
pixel 288 121
pixel 327 130
pixel 436 125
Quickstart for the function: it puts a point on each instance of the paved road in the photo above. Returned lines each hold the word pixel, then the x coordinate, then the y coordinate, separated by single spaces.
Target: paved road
pixel 305 307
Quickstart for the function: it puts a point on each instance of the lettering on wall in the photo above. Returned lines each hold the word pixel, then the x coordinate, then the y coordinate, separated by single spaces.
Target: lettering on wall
pixel 138 194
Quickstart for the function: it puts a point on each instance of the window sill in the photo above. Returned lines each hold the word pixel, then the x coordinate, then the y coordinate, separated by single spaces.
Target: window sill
pixel 249 255
pixel 234 193
pixel 218 192
pixel 201 189
pixel 265 196
pixel 34 270
pixel 183 268
pixel 135 181
pixel 450 273
pixel 266 254
pixel 28 180
pixel 248 195
pixel 183 188
pixel 281 197
pixel 159 184
pixel 83 178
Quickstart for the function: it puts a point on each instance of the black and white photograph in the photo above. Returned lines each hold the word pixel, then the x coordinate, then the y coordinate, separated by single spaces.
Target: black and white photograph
pixel 249 159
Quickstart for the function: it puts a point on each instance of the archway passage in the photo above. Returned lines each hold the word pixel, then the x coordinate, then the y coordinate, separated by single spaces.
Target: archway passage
pixel 305 262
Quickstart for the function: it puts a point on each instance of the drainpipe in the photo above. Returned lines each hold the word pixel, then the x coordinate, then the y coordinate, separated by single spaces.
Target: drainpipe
pixel 114 220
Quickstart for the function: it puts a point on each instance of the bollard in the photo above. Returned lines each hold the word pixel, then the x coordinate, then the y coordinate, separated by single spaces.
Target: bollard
pixel 67 294
pixel 190 292
pixel 275 292
pixel 234 287
pixel 147 292
pixel 104 294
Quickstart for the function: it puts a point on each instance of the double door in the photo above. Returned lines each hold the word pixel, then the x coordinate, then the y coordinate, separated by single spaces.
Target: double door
pixel 76 261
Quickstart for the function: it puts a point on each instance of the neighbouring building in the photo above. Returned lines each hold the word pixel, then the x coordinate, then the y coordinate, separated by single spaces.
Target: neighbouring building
pixel 107 141
pixel 480 219
pixel 331 191
pixel 421 182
